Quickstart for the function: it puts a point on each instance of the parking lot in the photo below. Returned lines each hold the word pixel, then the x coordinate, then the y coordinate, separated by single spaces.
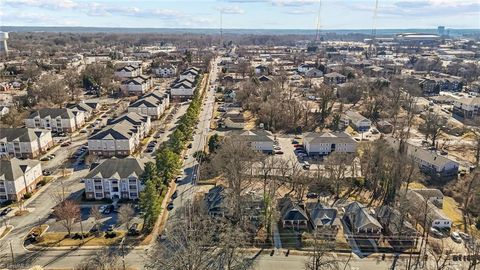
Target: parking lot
pixel 109 219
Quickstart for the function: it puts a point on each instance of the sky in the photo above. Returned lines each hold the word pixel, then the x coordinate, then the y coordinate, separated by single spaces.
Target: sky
pixel 242 14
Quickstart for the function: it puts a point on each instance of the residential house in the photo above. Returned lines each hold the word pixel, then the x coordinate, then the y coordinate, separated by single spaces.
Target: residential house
pixel 400 233
pixel 153 105
pixel 320 144
pixel 190 74
pixel 431 194
pixel 334 78
pixel 429 161
pixel 361 223
pixel 467 108
pixel 304 68
pixel 129 71
pixel 137 85
pixel 56 119
pixel 324 220
pixel 121 136
pixel 24 142
pixel 115 179
pixel 357 121
pixel 314 73
pixel 18 177
pixel 259 140
pixel 384 126
pixel 230 95
pixel 234 119
pixel 293 215
pixel 264 79
pixel 262 70
pixel 165 71
pixel 423 212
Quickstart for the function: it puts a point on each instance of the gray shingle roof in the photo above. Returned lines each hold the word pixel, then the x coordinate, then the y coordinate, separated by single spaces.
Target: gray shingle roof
pixel 14 168
pixel 21 134
pixel 321 215
pixel 360 216
pixel 328 137
pixel 122 168
pixel 63 113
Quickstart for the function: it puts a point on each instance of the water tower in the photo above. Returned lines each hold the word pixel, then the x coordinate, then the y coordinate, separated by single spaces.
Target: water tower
pixel 3 42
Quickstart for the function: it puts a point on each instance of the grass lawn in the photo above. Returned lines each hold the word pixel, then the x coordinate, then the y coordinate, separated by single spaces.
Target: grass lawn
pixel 288 238
pixel 53 239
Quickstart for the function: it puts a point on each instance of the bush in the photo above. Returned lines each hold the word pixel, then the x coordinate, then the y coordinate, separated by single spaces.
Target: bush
pixel 27 195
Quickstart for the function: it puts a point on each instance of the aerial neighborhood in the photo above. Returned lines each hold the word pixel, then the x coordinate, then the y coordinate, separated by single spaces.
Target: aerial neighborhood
pixel 344 144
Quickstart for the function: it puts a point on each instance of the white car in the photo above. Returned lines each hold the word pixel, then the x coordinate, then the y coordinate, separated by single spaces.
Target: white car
pixel 102 208
pixel 456 237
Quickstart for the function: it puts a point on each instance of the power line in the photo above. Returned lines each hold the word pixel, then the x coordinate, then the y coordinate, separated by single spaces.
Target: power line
pixel 317 36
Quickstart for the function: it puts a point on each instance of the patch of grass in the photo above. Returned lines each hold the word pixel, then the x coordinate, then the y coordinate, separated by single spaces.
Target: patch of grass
pixel 416 185
pixel 451 210
pixel 54 239
pixel 288 237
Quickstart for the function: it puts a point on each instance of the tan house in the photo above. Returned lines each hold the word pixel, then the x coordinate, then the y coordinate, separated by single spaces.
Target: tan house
pixel 24 142
pixel 18 177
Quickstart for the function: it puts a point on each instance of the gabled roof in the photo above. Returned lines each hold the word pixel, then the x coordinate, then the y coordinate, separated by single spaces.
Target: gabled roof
pixel 21 134
pixel 358 214
pixel 321 215
pixel 292 211
pixel 128 68
pixel 328 138
pixel 356 117
pixel 117 168
pixel 120 131
pixel 149 101
pixel 63 113
pixel 392 219
pixel 252 135
pixel 12 169
pixel 132 117
pixel 334 75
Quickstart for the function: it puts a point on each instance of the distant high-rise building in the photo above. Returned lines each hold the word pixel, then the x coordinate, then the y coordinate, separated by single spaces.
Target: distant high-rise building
pixel 441 30
pixel 3 42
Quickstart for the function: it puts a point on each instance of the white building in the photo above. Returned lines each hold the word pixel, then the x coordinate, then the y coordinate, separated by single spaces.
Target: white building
pixel 121 136
pixel 165 71
pixel 358 122
pixel 153 104
pixel 324 143
pixel 55 119
pixel 18 177
pixel 468 108
pixel 24 142
pixel 137 85
pixel 115 178
pixel 129 71
pixel 260 140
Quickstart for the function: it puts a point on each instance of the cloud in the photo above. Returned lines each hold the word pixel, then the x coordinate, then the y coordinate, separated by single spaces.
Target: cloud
pixel 300 11
pixel 46 4
pixel 294 3
pixel 231 10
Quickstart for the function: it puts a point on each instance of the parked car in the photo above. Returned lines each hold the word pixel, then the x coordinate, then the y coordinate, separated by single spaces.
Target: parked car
pixel 178 179
pixel 83 131
pixel 64 144
pixel 170 206
pixel 279 152
pixel 174 195
pixel 464 236
pixel 456 237
pixel 110 228
pixel 306 165
pixel 190 145
pixel 46 172
pixel 109 209
pixel 312 195
pixel 6 211
pixel 436 233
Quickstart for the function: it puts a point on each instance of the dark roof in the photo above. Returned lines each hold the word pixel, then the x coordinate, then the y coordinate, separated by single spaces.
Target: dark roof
pixel 291 211
pixel 12 169
pixel 132 117
pixel 117 168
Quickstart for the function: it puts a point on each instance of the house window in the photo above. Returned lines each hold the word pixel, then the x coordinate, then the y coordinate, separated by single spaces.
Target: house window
pixel 98 195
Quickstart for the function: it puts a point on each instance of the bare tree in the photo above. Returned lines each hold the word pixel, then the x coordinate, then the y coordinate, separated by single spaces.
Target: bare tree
pixel 432 126
pixel 67 212
pixel 441 254
pixel 97 218
pixel 321 258
pixel 337 167
pixel 125 215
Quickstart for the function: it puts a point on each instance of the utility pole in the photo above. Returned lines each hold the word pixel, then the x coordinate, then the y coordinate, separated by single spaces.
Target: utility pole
pixel 11 251
pixel 317 35
pixel 221 27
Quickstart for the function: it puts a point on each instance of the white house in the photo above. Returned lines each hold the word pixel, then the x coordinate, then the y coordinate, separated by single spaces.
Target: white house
pixel 182 89
pixel 129 71
pixel 24 142
pixel 260 140
pixel 357 121
pixel 4 110
pixel 190 74
pixel 55 119
pixel 423 211
pixel 325 143
pixel 304 68
pixel 468 108
pixel 165 71
pixel 18 177
pixel 115 178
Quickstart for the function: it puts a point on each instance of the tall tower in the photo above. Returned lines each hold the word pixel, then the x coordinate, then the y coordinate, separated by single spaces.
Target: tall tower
pixel 318 26
pixel 3 43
